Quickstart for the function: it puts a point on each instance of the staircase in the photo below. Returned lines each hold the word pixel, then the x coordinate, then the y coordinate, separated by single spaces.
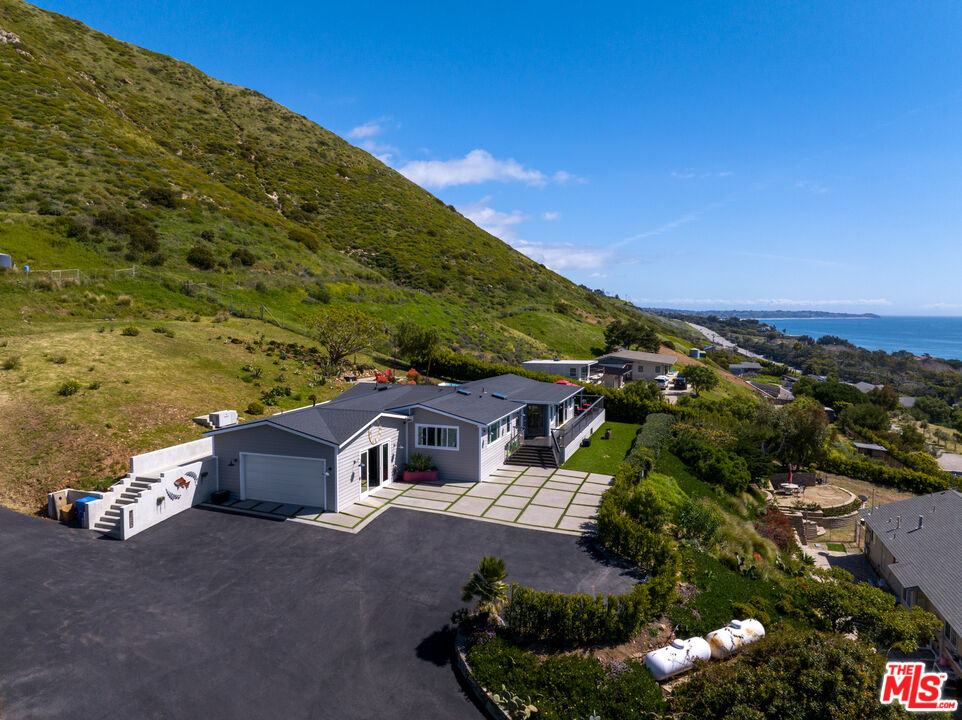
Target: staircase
pixel 532 456
pixel 130 490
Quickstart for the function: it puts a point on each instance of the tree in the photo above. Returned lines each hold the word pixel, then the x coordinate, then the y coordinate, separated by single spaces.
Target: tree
pixel 935 409
pixel 343 331
pixel 865 415
pixel 487 585
pixel 885 397
pixel 804 432
pixel 631 333
pixel 834 601
pixel 911 439
pixel 416 344
pixel 789 674
pixel 700 377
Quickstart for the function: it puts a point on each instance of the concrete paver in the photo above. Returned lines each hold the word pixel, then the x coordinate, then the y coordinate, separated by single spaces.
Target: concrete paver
pixel 470 505
pixel 557 485
pixel 531 480
pixel 583 498
pixel 512 501
pixel 581 511
pixel 485 490
pixel 421 503
pixel 507 514
pixel 540 515
pixel 334 518
pixel 521 490
pixel 553 498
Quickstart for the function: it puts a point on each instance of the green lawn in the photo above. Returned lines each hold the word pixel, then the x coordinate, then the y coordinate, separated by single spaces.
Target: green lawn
pixel 604 456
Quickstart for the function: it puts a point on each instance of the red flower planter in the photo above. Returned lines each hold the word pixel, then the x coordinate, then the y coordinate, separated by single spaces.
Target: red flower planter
pixel 416 476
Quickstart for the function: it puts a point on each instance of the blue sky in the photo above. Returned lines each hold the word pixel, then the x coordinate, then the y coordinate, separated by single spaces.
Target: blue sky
pixel 705 155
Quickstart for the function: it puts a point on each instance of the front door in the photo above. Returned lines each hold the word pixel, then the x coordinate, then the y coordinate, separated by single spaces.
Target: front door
pixel 375 467
pixel 534 421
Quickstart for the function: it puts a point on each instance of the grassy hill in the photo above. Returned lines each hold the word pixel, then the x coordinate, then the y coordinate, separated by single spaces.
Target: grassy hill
pixel 113 156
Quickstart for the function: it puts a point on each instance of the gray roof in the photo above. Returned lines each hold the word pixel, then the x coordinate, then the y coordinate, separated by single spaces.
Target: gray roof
pixel 331 424
pixel 927 558
pixel 520 389
pixel 481 401
pixel 950 462
pixel 906 401
pixel 635 356
pixel 869 446
pixel 745 366
pixel 557 361
pixel 865 387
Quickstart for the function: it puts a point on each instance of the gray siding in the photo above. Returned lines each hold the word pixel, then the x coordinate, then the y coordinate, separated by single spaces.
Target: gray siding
pixel 461 464
pixel 349 462
pixel 270 441
pixel 493 454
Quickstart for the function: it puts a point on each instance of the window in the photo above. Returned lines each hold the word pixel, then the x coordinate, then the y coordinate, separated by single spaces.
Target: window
pixel 494 431
pixel 437 436
pixel 573 372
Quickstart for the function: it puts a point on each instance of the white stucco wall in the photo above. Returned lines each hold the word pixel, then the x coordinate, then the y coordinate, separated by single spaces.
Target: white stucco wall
pixel 164 499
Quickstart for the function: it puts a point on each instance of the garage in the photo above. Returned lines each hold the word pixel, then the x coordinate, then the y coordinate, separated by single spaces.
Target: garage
pixel 283 479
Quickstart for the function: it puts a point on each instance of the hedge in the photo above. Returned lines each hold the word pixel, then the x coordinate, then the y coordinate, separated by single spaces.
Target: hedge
pixel 655 433
pixel 578 619
pixel 712 463
pixel 842 509
pixel 873 472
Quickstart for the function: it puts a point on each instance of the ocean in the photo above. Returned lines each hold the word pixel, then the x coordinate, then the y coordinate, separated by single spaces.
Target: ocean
pixel 938 336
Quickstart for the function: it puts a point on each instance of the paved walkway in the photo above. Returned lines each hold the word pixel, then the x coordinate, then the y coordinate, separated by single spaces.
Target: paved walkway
pixel 562 501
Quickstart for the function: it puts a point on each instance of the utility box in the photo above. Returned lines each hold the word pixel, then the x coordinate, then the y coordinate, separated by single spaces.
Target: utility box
pixel 5 261
pixel 81 505
pixel 223 418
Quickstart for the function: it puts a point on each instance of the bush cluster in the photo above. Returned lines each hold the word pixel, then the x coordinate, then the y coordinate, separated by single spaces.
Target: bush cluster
pixel 130 331
pixel 655 433
pixel 712 463
pixel 563 687
pixel 772 524
pixel 578 619
pixel 244 256
pixel 68 387
pixel 201 257
pixel 842 509
pixel 874 472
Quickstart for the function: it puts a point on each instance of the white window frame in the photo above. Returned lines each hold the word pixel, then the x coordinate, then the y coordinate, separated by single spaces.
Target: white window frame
pixel 494 429
pixel 573 371
pixel 417 436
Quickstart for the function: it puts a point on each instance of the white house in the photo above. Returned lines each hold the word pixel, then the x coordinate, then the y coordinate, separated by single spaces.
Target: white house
pixel 571 369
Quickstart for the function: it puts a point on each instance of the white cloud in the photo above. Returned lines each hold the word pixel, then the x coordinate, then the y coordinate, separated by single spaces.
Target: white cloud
pixel 941 306
pixel 564 256
pixel 551 215
pixel 598 275
pixel 811 187
pixel 477 166
pixel 367 130
pixel 500 224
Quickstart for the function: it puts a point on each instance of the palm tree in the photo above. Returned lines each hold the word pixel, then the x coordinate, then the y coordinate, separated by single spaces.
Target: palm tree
pixel 487 585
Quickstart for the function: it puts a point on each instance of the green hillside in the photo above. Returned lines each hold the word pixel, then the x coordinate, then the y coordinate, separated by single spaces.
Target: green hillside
pixel 113 157
pixel 123 156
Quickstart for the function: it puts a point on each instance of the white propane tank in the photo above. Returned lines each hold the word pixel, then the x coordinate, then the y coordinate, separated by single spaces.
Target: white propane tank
pixel 733 636
pixel 677 657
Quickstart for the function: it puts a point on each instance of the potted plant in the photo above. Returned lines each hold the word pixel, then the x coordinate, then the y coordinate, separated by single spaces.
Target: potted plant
pixel 419 469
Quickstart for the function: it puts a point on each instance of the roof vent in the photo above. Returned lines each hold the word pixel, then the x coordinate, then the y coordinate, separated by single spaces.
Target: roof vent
pixel 462 391
pixel 500 396
pixel 920 522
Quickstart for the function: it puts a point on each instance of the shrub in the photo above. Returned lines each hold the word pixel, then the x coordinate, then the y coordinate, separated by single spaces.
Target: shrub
pixel 201 257
pixel 163 196
pixel 874 472
pixel 698 520
pixel 244 256
pixel 157 259
pixel 207 235
pixel 255 408
pixel 304 237
pixel 712 463
pixel 59 359
pixel 11 363
pixel 320 292
pixel 772 524
pixel 68 387
pixel 125 301
pixel 654 434
pixel 130 331
pixel 95 385
pixel 568 686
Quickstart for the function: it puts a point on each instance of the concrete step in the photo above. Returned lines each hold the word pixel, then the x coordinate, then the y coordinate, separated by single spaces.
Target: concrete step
pixel 103 526
pixel 139 485
pixel 112 514
pixel 130 495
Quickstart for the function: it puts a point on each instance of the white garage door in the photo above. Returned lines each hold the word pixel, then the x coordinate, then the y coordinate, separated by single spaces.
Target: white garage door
pixel 299 481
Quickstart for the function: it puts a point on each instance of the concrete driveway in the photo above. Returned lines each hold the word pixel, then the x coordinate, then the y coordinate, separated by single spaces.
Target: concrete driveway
pixel 219 615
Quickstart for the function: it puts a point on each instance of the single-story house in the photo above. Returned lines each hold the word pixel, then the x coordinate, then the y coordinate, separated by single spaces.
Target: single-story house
pixel 332 454
pixel 913 545
pixel 865 387
pixel 876 452
pixel 643 365
pixel 950 463
pixel 907 401
pixel 571 369
pixel 776 393
pixel 745 368
pixel 615 376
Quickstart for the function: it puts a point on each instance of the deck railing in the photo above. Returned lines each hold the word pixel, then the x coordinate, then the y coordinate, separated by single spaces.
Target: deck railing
pixel 569 432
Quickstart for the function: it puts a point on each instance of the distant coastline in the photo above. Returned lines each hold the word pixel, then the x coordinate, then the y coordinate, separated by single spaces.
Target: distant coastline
pixel 768 314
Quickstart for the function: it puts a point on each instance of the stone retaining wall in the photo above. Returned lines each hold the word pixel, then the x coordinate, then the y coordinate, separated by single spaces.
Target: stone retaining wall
pixel 461 666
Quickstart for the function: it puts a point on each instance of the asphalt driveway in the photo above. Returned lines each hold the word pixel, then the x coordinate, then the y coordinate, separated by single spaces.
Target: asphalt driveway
pixel 218 615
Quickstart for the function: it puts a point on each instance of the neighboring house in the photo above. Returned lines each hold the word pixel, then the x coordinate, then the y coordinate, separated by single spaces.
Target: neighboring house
pixel 696 353
pixel 745 369
pixel 571 369
pixel 876 452
pixel 906 401
pixel 643 365
pixel 330 455
pixel 951 463
pixel 776 393
pixel 614 375
pixel 865 387
pixel 914 546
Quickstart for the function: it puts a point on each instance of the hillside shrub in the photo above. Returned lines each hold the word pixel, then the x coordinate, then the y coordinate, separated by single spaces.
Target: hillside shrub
pixel 845 509
pixel 11 363
pixel 712 463
pixel 68 387
pixel 698 520
pixel 125 301
pixel 255 408
pixel 564 687
pixel 304 237
pixel 244 256
pixel 201 257
pixel 772 524
pixel 655 433
pixel 130 331
pixel 162 196
pixel 875 472
pixel 577 619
